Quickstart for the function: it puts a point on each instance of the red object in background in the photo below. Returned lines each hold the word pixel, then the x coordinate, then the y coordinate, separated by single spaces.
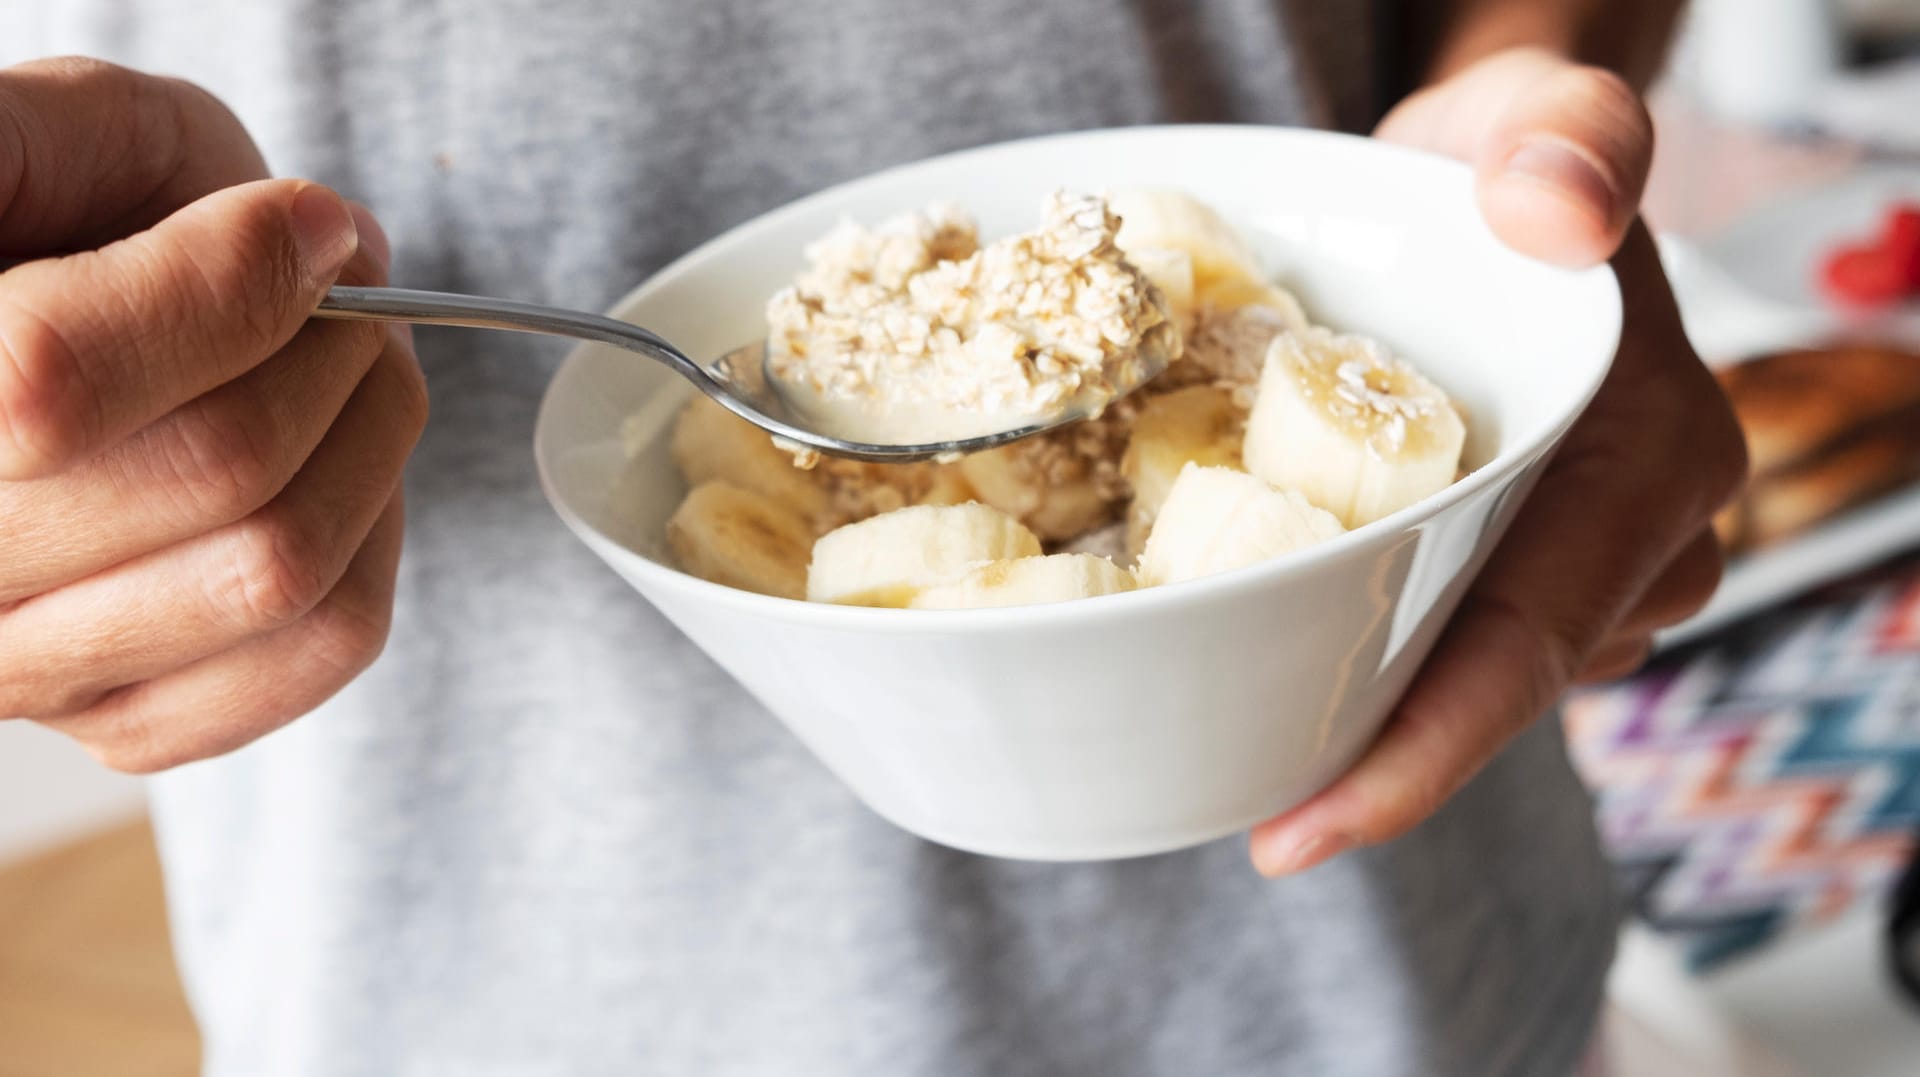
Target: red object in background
pixel 1864 276
pixel 1903 236
pixel 1882 271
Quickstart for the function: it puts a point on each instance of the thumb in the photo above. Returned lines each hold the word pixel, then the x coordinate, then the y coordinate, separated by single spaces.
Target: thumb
pixel 1562 169
pixel 96 345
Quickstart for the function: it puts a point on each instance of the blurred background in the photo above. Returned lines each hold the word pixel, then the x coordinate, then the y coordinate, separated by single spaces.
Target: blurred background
pixel 1758 783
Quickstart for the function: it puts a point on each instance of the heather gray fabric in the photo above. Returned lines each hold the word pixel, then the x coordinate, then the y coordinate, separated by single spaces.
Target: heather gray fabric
pixel 544 835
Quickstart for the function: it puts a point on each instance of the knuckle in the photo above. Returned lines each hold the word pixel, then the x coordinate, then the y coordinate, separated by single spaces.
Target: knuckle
pixel 137 757
pixel 1615 102
pixel 1608 88
pixel 63 697
pixel 85 69
pixel 1706 578
pixel 1710 434
pixel 1404 807
pixel 1688 584
pixel 140 748
pixel 122 738
pixel 29 694
pixel 240 298
pixel 1731 468
pixel 276 577
pixel 1612 120
pixel 222 458
pixel 257 314
pixel 346 641
pixel 152 147
pixel 43 411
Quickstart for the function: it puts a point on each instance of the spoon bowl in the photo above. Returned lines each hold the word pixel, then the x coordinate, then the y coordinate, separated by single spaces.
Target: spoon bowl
pixel 737 381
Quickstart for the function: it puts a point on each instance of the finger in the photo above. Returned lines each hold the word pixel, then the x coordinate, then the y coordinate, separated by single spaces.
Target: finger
pixel 1458 116
pixel 158 612
pixel 91 152
pixel 225 701
pixel 95 345
pixel 1617 658
pixel 211 462
pixel 1561 173
pixel 1568 571
pixel 1682 589
pixel 1490 674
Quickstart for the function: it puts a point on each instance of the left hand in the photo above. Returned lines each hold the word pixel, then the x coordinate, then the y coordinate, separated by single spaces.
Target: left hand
pixel 1615 542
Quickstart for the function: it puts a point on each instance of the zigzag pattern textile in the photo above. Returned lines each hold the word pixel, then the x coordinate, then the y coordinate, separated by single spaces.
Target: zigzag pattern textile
pixel 1767 779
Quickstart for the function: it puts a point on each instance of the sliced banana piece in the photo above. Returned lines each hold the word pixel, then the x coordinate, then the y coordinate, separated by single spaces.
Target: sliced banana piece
pixel 1361 433
pixel 1171 271
pixel 1217 519
pixel 1027 581
pixel 1159 219
pixel 742 538
pixel 947 485
pixel 1200 424
pixel 711 443
pixel 1233 295
pixel 1060 484
pixel 889 559
pixel 1225 272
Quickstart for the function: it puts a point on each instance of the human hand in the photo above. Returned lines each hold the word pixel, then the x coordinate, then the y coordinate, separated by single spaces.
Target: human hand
pixel 199 488
pixel 1615 541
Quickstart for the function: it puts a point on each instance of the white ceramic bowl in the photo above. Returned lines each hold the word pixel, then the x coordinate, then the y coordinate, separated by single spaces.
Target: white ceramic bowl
pixel 1148 721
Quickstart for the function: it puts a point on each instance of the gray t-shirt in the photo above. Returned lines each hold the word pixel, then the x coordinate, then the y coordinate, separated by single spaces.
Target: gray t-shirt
pixel 545 835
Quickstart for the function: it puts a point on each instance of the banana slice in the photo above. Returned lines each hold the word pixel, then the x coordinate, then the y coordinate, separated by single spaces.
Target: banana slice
pixel 711 443
pixel 1225 272
pixel 1200 424
pixel 1217 519
pixel 889 559
pixel 1359 432
pixel 1171 271
pixel 947 485
pixel 1233 295
pixel 1027 581
pixel 1061 484
pixel 1158 219
pixel 741 538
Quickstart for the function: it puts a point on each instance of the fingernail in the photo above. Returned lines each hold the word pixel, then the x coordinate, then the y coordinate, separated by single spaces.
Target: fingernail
pixel 1289 858
pixel 324 231
pixel 1554 164
pixel 373 238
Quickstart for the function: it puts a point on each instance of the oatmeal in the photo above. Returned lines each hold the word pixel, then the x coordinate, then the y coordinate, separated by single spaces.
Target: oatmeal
pixel 1228 348
pixel 912 331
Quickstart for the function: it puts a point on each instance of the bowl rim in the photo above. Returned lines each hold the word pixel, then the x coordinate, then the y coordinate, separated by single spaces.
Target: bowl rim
pixel 1502 468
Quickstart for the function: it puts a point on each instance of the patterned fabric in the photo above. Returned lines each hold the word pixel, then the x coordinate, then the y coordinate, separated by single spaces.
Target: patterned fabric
pixel 1767 779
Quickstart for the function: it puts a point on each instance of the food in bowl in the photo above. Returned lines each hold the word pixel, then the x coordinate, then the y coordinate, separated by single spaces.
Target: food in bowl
pixel 1127 724
pixel 913 331
pixel 1264 434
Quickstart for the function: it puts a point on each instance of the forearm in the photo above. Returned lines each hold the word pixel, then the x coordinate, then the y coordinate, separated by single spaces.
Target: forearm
pixel 1626 36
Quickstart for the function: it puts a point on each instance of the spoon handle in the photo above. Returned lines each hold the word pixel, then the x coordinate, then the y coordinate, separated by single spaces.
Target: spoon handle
pixel 478 312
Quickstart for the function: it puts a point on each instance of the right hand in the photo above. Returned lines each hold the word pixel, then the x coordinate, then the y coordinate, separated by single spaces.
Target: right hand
pixel 199 487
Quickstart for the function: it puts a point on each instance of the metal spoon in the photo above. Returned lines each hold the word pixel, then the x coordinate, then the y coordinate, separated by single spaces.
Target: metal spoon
pixel 737 380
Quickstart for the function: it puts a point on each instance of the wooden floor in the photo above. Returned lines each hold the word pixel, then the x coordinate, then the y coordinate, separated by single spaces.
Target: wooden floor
pixel 87 984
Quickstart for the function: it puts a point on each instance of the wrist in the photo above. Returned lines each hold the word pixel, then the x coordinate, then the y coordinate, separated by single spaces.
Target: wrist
pixel 1480 28
pixel 1628 37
